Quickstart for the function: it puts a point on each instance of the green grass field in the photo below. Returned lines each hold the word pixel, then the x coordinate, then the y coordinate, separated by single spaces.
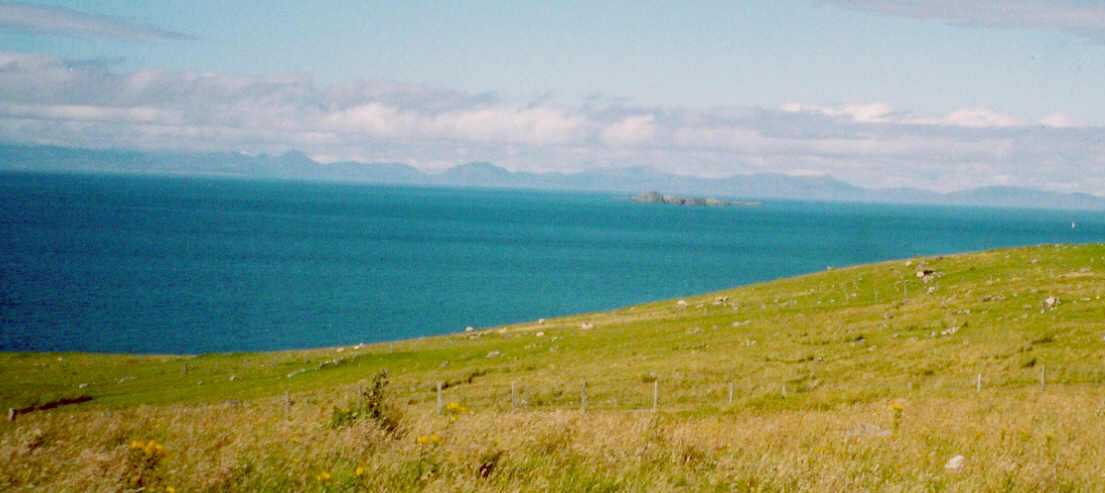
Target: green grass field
pixel 863 378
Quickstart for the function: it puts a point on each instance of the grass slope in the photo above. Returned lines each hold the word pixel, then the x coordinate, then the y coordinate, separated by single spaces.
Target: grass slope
pixel 857 378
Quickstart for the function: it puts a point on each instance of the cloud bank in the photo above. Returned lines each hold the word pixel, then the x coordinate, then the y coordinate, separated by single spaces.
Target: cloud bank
pixel 45 100
pixel 1080 17
pixel 59 20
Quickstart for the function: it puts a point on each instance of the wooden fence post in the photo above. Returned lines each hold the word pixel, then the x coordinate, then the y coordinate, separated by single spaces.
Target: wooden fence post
pixel 978 383
pixel 1043 377
pixel 730 393
pixel 440 399
pixel 583 398
pixel 513 397
pixel 655 395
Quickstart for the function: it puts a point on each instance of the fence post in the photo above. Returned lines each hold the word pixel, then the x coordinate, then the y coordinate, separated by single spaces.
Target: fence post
pixel 1043 377
pixel 440 399
pixel 513 397
pixel 978 383
pixel 655 395
pixel 11 414
pixel 583 398
pixel 730 393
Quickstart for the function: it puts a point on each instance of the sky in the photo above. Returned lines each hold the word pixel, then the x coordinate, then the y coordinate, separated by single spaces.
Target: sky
pixel 941 95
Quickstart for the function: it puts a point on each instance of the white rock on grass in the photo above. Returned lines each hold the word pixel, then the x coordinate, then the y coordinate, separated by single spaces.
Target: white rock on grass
pixel 493 354
pixel 955 463
pixel 540 334
pixel 469 328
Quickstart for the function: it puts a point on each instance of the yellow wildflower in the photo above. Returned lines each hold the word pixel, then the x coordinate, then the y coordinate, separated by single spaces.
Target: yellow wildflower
pixel 170 489
pixel 359 471
pixel 455 408
pixel 431 439
pixel 323 476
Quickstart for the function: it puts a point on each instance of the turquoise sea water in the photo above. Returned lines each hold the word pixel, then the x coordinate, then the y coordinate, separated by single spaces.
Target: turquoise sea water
pixel 191 265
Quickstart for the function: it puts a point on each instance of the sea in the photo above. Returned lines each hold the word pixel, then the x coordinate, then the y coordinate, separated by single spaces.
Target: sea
pixel 139 264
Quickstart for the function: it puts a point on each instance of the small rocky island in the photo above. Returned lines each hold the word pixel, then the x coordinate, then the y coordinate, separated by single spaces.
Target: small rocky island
pixel 658 198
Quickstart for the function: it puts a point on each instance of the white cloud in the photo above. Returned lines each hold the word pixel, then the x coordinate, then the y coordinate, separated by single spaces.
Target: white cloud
pixel 49 101
pixel 629 131
pixel 883 113
pixel 980 118
pixel 1059 120
pixel 865 112
pixel 1084 18
pixel 59 20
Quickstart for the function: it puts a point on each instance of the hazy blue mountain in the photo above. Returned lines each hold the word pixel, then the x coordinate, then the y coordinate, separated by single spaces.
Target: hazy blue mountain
pixel 631 180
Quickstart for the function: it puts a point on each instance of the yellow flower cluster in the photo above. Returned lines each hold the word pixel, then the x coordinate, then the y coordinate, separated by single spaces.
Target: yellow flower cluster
pixel 359 471
pixel 455 408
pixel 323 477
pixel 430 440
pixel 149 448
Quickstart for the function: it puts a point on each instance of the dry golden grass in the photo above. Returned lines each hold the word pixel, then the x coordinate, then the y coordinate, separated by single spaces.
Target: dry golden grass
pixel 1023 440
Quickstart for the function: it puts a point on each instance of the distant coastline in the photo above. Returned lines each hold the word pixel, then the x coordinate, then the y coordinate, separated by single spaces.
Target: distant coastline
pixel 297 166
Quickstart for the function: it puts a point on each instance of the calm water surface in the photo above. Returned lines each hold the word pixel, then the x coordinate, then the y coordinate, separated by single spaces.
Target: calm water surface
pixel 191 265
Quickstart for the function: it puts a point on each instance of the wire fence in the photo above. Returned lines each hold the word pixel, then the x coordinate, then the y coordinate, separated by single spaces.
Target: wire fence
pixel 654 394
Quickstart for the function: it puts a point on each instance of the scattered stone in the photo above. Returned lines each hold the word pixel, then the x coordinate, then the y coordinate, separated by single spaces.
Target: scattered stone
pixel 931 289
pixel 955 463
pixel 82 386
pixel 469 328
pixel 294 373
pixel 1051 302
pixel 233 378
pixel 339 350
pixel 540 334
pixel 540 321
pixel 587 326
pixel 681 303
pixel 494 354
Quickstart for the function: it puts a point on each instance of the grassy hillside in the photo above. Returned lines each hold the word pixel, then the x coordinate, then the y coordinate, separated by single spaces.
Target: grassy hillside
pixel 859 378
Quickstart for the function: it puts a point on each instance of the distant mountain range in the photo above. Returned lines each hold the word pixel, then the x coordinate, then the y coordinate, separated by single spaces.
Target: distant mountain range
pixel 297 166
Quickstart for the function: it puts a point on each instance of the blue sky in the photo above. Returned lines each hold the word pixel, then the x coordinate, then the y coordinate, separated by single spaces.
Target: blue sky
pixel 942 94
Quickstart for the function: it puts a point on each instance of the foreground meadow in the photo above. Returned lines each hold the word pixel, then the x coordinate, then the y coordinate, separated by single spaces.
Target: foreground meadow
pixel 978 372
